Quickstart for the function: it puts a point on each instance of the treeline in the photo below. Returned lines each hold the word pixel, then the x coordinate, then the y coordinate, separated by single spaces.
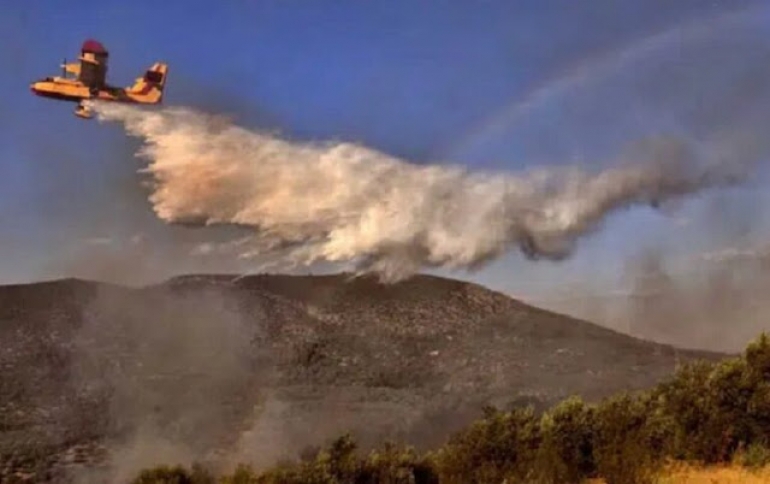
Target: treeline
pixel 706 413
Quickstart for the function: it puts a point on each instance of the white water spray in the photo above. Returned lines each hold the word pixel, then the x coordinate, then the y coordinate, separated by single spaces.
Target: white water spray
pixel 347 203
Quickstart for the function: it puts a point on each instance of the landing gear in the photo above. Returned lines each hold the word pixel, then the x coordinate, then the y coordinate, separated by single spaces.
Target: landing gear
pixel 83 112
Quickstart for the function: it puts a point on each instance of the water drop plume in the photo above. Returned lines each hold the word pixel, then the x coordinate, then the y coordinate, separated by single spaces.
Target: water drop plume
pixel 346 203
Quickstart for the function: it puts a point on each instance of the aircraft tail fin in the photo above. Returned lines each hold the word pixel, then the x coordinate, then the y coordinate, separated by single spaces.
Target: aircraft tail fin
pixel 151 85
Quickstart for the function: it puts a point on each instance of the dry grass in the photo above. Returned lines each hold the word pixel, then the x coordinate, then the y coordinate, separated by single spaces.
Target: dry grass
pixel 726 474
pixel 715 475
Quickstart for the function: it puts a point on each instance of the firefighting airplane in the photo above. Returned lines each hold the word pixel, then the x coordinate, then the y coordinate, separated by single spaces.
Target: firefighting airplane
pixel 87 80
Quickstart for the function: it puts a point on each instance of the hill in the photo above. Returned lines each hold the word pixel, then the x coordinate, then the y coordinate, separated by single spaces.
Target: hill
pixel 99 376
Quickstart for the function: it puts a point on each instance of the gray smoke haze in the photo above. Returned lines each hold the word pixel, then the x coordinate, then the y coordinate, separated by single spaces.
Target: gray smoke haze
pixel 719 304
pixel 711 298
pixel 183 377
pixel 173 372
pixel 701 284
pixel 340 202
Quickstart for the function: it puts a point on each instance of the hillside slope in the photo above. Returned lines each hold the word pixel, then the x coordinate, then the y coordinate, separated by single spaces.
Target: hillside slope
pixel 260 367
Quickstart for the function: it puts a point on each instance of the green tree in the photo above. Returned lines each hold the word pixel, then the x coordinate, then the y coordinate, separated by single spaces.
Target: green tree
pixel 623 444
pixel 568 432
pixel 502 445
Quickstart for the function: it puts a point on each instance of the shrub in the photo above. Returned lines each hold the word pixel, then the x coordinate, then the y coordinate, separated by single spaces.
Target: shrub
pixel 705 412
pixel 715 409
pixel 566 452
pixel 500 446
pixel 393 465
pixel 757 356
pixel 624 441
pixel 242 475
pixel 340 465
pixel 755 456
pixel 174 475
pixel 728 393
pixel 684 407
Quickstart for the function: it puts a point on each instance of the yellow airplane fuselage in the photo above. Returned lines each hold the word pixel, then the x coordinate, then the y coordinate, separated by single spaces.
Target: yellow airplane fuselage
pixel 75 91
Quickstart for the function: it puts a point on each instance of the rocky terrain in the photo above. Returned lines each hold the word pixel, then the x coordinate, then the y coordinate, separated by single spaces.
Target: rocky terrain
pixel 99 380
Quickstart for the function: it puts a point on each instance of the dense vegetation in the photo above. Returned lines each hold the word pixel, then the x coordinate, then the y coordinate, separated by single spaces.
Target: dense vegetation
pixel 705 413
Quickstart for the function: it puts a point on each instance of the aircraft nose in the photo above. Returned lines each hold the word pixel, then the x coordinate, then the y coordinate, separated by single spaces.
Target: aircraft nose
pixel 35 89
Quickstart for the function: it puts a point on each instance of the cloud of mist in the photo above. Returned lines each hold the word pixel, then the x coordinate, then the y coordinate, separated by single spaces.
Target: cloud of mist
pixel 340 202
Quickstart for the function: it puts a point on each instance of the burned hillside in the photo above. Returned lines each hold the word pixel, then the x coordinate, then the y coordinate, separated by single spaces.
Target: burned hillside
pixel 257 368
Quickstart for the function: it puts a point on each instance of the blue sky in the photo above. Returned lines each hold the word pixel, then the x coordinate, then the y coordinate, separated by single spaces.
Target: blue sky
pixel 496 84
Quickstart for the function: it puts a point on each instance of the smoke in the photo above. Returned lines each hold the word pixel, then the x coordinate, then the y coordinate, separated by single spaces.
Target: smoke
pixel 719 304
pixel 345 203
pixel 713 300
pixel 173 370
